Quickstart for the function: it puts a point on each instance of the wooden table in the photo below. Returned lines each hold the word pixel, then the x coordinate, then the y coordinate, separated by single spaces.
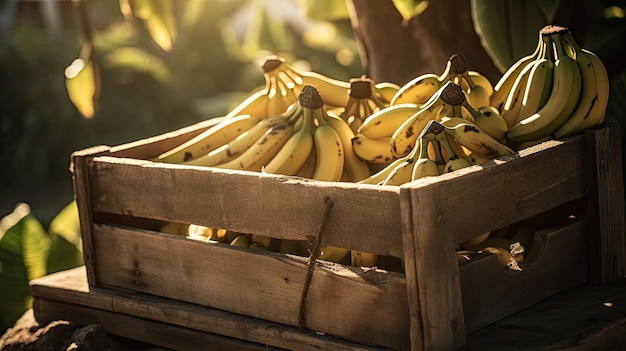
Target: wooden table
pixel 582 319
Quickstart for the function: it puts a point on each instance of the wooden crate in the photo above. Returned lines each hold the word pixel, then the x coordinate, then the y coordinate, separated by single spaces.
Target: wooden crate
pixel 430 305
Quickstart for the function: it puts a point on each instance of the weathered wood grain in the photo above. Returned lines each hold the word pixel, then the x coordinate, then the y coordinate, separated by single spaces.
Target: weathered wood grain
pixel 363 217
pixel 605 204
pixel 367 306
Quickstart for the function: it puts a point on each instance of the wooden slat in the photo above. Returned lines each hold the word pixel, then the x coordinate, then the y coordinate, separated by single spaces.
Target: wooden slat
pixel 557 261
pixel 363 217
pixel 368 306
pixel 156 333
pixel 71 287
pixel 152 147
pixel 605 185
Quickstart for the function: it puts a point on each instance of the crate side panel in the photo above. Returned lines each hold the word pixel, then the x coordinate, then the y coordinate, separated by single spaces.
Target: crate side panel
pixel 365 218
pixel 557 262
pixel 263 285
pixel 379 310
pixel 478 199
pixel 152 147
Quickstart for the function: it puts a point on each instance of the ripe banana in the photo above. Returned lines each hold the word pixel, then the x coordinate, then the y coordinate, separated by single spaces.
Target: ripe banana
pixel 308 168
pixel 424 166
pixel 241 143
pixel 384 122
pixel 255 105
pixel 594 95
pixel 478 79
pixel 421 88
pixel 404 138
pixel 539 85
pixel 362 102
pixel 477 95
pixel 566 89
pixel 385 91
pixel 264 149
pixel 476 140
pixel 372 150
pixel 334 92
pixel 402 172
pixel 333 254
pixel 355 167
pixel 489 120
pixel 329 150
pixel 296 150
pixel 453 160
pixel 362 259
pixel 505 83
pixel 510 111
pixel 209 140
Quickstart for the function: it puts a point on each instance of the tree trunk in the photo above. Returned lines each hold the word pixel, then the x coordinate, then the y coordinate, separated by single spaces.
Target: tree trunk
pixel 397 51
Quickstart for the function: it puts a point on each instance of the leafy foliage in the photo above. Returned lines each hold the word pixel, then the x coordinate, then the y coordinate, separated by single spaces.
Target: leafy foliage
pixel 28 251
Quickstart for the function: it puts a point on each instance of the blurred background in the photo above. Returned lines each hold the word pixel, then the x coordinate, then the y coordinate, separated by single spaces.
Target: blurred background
pixel 81 73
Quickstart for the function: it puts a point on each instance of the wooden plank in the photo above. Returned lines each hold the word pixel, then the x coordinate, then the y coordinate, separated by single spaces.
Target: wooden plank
pixel 556 261
pixel 370 306
pixel 156 333
pixel 490 196
pixel 605 185
pixel 82 194
pixel 71 287
pixel 363 217
pixel 149 148
pixel 582 319
pixel 431 268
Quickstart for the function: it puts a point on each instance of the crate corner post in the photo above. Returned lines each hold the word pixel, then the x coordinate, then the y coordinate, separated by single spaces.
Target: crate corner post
pixel 432 274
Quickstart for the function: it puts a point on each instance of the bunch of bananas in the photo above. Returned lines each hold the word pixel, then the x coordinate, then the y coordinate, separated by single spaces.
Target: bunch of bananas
pixel 365 98
pixel 557 91
pixel 445 145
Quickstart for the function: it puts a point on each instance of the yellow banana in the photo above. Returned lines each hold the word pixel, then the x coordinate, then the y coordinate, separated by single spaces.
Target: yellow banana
pixel 384 122
pixel 334 92
pixel 209 140
pixel 372 150
pixel 296 150
pixel 404 138
pixel 453 160
pixel 362 259
pixel 594 95
pixel 241 143
pixel 424 166
pixel 355 167
pixel 421 88
pixel 505 83
pixel 264 149
pixel 386 91
pixel 255 105
pixel 333 254
pixel 477 95
pixel 566 89
pixel 175 228
pixel 539 85
pixel 513 104
pixel 489 120
pixel 329 150
pixel 382 174
pixel 308 168
pixel 476 140
pixel 362 102
pixel 478 79
pixel 243 240
pixel 402 172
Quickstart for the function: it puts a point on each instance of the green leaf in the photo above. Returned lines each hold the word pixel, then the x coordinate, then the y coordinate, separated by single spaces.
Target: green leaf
pixel 65 240
pixel 159 19
pixel 410 8
pixel 24 246
pixel 82 83
pixel 509 29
